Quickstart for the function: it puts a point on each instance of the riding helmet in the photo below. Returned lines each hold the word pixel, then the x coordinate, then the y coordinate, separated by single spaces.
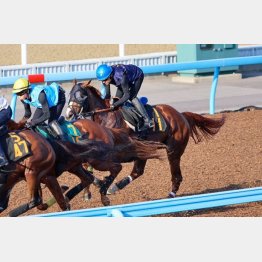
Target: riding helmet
pixel 103 72
pixel 20 85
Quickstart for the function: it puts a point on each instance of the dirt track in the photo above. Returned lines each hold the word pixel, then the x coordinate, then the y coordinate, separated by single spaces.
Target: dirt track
pixel 231 160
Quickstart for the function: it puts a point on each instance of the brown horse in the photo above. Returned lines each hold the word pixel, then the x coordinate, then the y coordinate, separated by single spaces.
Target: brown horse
pixel 37 167
pixel 70 156
pixel 179 128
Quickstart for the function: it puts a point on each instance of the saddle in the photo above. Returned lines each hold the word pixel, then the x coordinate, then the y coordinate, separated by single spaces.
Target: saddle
pixel 135 120
pixel 71 133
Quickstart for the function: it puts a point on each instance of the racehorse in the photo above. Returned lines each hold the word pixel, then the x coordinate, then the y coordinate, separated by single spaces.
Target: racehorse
pixel 179 128
pixel 70 156
pixel 37 165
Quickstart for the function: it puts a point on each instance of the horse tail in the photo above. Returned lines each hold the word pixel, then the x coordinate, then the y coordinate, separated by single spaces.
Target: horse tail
pixel 143 150
pixel 120 153
pixel 203 127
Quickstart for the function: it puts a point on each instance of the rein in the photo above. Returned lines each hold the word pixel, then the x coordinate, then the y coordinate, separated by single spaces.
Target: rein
pixel 92 113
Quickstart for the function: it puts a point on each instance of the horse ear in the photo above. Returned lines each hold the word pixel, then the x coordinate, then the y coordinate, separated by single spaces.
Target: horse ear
pixel 74 82
pixel 86 83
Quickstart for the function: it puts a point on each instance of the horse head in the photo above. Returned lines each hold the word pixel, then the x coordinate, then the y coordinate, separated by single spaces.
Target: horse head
pixel 84 98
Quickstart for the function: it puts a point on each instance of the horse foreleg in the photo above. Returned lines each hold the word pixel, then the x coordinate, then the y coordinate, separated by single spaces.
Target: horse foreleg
pixel 33 185
pixel 138 170
pixel 54 187
pixel 174 163
pixel 51 201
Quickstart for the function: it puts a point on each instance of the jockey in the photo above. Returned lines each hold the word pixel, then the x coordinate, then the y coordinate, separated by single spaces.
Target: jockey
pixel 49 101
pixel 128 80
pixel 5 116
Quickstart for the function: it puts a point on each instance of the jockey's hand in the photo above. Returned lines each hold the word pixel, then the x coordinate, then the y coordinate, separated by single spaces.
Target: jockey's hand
pixel 29 125
pixel 112 107
pixel 23 120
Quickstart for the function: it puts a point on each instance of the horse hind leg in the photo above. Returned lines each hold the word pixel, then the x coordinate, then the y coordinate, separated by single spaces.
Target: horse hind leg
pixel 174 163
pixel 137 171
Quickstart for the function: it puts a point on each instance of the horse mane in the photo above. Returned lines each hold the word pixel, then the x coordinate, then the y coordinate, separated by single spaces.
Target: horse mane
pixel 12 125
pixel 86 85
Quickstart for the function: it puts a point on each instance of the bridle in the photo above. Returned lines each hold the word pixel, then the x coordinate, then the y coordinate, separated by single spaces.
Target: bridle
pixel 73 106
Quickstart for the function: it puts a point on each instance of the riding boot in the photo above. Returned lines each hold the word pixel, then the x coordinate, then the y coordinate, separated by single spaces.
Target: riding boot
pixel 54 125
pixel 3 159
pixel 148 123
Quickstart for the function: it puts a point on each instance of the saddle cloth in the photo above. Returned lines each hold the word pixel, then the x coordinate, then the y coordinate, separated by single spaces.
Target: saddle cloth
pixel 71 132
pixel 15 146
pixel 131 116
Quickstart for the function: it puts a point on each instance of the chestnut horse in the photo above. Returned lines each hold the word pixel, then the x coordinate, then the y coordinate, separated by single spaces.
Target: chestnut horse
pixel 69 156
pixel 179 128
pixel 35 168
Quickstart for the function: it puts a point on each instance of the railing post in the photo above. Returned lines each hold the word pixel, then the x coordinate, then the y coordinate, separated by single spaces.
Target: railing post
pixel 213 91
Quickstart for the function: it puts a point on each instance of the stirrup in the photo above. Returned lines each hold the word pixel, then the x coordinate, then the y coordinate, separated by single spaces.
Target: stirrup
pixel 150 124
pixel 147 125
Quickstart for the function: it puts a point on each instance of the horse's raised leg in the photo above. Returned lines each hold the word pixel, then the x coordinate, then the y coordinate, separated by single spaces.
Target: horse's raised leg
pixel 115 169
pixel 137 171
pixel 86 178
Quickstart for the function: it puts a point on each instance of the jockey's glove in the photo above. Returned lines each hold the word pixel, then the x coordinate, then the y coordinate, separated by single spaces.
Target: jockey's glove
pixel 29 125
pixel 112 107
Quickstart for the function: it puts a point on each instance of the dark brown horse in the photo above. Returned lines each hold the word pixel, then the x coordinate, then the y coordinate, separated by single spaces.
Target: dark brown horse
pixel 67 156
pixel 179 128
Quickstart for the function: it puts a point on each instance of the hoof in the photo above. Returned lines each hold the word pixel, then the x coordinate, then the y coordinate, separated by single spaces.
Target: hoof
pixel 112 190
pixel 42 207
pixel 171 195
pixel 35 202
pixel 105 200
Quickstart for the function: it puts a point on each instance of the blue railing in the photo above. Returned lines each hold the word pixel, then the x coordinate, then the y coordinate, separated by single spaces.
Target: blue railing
pixel 166 206
pixel 157 69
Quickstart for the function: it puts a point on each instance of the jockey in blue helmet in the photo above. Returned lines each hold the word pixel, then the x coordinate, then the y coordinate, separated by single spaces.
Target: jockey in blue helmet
pixel 128 80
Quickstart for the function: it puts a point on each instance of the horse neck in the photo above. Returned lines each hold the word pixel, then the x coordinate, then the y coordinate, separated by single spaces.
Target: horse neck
pixel 110 119
pixel 107 119
pixel 12 125
pixel 95 102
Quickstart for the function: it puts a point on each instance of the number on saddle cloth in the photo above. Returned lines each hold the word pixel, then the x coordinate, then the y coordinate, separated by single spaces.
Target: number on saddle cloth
pixel 71 132
pixel 15 147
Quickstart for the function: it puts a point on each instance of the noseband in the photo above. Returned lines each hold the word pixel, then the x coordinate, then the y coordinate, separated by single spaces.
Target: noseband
pixel 72 105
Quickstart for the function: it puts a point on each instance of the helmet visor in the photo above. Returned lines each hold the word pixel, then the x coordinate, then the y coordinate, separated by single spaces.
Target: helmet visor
pixel 22 92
